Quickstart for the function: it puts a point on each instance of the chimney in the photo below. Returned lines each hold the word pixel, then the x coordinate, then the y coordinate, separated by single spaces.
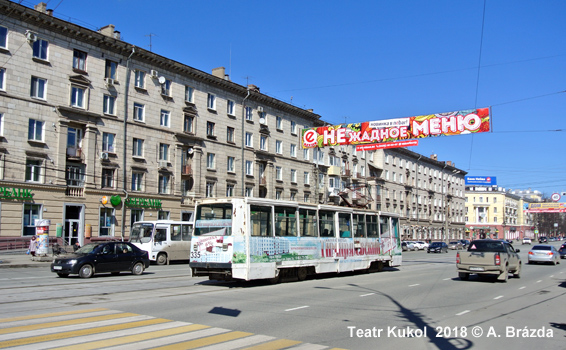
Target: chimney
pixel 108 30
pixel 219 72
pixel 41 7
pixel 449 163
pixel 434 156
pixel 253 87
pixel 50 12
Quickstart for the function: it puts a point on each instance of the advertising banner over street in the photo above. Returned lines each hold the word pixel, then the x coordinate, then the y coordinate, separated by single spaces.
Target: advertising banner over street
pixel 481 180
pixel 392 130
pixel 547 208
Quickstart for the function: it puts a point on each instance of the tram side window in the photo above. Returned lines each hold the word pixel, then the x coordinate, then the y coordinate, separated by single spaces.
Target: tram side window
pixel 307 222
pixel 260 221
pixel 285 222
pixel 395 225
pixel 326 223
pixel 384 227
pixel 344 224
pixel 359 225
pixel 176 233
pixel 372 229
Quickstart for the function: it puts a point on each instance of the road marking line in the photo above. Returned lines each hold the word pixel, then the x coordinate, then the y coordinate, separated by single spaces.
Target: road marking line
pixel 297 308
pixel 234 344
pixel 414 285
pixel 539 281
pixel 463 312
pixel 365 295
pixel 274 345
pixel 499 297
pixel 447 279
pixel 523 287
pixel 33 317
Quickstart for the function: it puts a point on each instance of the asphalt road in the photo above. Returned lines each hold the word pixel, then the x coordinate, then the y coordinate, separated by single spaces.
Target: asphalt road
pixel 423 299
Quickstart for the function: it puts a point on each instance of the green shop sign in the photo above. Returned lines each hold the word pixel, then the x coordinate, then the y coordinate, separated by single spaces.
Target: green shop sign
pixel 143 203
pixel 15 193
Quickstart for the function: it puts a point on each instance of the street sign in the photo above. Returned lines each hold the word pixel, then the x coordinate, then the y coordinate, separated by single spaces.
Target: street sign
pixel 555 197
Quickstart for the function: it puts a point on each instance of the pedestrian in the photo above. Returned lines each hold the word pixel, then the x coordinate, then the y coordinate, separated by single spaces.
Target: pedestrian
pixel 32 246
pixel 76 246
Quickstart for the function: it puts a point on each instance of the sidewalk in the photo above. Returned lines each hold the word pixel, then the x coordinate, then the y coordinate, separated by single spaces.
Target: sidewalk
pixel 19 258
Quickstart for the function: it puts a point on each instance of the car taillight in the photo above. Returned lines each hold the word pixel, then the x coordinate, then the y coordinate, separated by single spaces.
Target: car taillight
pixel 550 253
pixel 497 259
pixel 531 253
pixel 457 258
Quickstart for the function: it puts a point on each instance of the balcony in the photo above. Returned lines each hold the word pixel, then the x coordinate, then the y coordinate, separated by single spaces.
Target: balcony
pixel 334 170
pixel 74 153
pixel 75 188
pixel 186 170
pixel 346 173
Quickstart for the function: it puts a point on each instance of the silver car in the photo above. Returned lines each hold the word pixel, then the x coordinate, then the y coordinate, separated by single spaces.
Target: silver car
pixel 544 253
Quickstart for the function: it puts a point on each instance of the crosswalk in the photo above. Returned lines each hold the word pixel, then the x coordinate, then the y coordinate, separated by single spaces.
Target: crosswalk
pixel 102 328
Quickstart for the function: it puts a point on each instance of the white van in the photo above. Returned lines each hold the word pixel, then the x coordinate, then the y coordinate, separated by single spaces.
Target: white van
pixel 164 240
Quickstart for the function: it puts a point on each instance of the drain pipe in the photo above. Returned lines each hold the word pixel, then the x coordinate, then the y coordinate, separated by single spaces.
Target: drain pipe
pixel 243 144
pixel 124 145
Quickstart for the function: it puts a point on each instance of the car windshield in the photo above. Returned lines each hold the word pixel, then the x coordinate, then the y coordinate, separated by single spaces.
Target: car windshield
pixel 141 233
pixel 541 247
pixel 486 246
pixel 435 244
pixel 87 248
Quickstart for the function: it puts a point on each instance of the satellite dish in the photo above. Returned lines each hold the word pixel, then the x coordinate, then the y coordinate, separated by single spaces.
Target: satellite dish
pixel 190 151
pixel 161 80
pixel 262 121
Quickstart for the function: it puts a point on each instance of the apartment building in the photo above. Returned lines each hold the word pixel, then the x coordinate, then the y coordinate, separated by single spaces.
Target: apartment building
pixel 96 133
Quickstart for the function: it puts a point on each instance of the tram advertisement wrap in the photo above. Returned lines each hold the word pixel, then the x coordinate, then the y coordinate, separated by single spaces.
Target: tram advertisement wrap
pixel 441 124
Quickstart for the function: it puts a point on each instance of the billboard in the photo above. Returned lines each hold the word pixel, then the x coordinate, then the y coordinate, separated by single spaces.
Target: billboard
pixel 391 130
pixel 547 208
pixel 481 180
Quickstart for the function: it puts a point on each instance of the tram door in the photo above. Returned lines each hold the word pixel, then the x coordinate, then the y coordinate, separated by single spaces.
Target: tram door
pixel 73 231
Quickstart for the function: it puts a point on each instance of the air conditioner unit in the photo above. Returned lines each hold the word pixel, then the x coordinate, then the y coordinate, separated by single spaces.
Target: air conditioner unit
pixel 109 81
pixel 31 36
pixel 260 109
pixel 154 73
pixel 104 155
pixel 163 163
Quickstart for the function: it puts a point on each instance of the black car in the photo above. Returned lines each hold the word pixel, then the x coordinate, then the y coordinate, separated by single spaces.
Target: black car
pixel 92 258
pixel 437 247
pixel 542 239
pixel 465 243
pixel 562 251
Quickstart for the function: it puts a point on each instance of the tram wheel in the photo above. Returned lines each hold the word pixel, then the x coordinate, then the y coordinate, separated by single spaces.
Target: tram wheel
pixel 302 273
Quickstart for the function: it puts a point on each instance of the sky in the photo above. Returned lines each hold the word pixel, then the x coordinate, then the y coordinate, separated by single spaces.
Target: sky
pixel 356 61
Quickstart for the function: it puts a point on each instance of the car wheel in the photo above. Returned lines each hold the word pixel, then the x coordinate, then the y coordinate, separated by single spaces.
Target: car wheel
pixel 86 271
pixel 464 276
pixel 63 275
pixel 161 259
pixel 138 268
pixel 517 273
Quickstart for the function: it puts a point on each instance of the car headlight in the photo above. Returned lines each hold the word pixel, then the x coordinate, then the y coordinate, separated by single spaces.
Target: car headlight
pixel 72 262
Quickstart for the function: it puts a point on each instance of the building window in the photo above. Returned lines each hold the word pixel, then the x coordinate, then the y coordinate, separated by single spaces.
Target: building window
pixel 293 128
pixel 249 168
pixel 35 130
pixel 78 96
pixel 279 123
pixel 166 88
pixel 1 128
pixel 293 150
pixel 40 49
pixel 79 60
pixel 189 94
pixel 306 154
pixel 38 86
pixel 293 176
pixel 188 123
pixel 74 176
pixel 209 189
pixel 279 173
pixel 139 112
pixel 2 79
pixel 137 148
pixel 32 212
pixel 111 70
pixel 230 135
pixel 164 119
pixel 307 178
pixel 293 195
pixel 3 37
pixel 34 169
pixel 108 142
pixel 139 79
pixel 263 143
pixel 163 184
pixel 230 167
pixel 163 215
pixel 279 194
pixel 306 198
pixel 163 151
pixel 230 108
pixel 249 113
pixel 249 192
pixel 106 222
pixel 229 190
pixel 279 147
pixel 249 139
pixel 109 104
pixel 211 161
pixel 107 178
pixel 211 101
pixel 137 181
pixel 135 216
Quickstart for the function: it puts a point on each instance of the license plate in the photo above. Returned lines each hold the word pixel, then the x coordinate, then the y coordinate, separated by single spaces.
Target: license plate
pixel 57 267
pixel 476 268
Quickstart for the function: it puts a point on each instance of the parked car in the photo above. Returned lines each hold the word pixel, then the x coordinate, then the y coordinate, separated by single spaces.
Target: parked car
pixel 410 245
pixel 526 240
pixel 542 239
pixel 422 245
pixel 437 247
pixel 404 246
pixel 544 253
pixel 455 245
pixel 562 251
pixel 92 258
pixel 465 243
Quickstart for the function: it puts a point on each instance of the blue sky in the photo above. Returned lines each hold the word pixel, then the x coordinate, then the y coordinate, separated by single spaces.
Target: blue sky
pixel 368 60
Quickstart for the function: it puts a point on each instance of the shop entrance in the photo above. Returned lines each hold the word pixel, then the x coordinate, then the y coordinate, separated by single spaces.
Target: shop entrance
pixel 73 231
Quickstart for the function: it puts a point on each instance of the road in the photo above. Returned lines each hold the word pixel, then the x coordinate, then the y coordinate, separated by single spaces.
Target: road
pixel 423 298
